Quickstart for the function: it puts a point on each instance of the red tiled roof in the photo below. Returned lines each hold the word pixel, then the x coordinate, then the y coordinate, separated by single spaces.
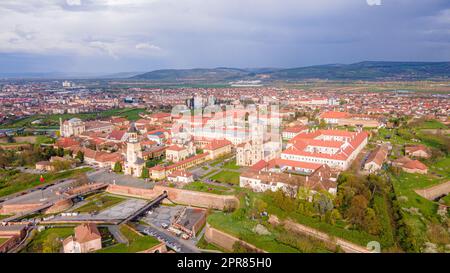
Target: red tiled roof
pixel 117 134
pixel 175 148
pixel 216 144
pixel 415 164
pixel 86 232
pixel 332 114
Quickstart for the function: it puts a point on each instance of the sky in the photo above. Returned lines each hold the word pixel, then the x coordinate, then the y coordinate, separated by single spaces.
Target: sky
pixel 108 36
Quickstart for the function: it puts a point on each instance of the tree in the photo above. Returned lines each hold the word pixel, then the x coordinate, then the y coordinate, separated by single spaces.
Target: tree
pixel 322 124
pixel 357 211
pixel 144 173
pixel 60 152
pixel 80 180
pixel 80 156
pixel 323 203
pixel 371 222
pixel 51 244
pixel 60 165
pixel 260 205
pixel 118 167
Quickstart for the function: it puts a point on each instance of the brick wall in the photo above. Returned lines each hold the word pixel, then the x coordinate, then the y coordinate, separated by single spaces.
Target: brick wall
pixel 225 240
pixel 192 198
pixel 18 208
pixel 434 192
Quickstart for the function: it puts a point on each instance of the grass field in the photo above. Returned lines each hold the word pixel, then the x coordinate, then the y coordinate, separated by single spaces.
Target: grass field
pixel 203 244
pixel 3 216
pixel 243 229
pixel 406 183
pixel 446 199
pixel 432 124
pixel 338 230
pixel 136 243
pixel 48 121
pixel 204 187
pixel 227 177
pixel 2 240
pixel 99 202
pixel 11 182
pixel 417 211
pixel 36 245
pixel 231 165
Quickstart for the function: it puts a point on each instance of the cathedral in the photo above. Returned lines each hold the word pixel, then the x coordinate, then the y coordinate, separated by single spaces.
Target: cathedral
pixel 71 127
pixel 248 154
pixel 134 162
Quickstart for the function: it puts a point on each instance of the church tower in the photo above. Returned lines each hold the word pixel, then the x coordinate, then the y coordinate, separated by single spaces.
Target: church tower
pixel 134 163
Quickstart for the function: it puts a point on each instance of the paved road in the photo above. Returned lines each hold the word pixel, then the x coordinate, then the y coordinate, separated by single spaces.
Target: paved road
pixel 117 234
pixel 105 176
pixel 168 238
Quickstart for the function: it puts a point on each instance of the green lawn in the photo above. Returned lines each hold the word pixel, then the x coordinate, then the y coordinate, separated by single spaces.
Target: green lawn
pixel 446 199
pixel 406 183
pixel 203 244
pixel 11 182
pixel 2 240
pixel 99 202
pixel 204 187
pixel 137 243
pixel 243 229
pixel 227 177
pixel 36 245
pixel 53 119
pixel 338 230
pixel 209 173
pixel 231 165
pixel 383 133
pixel 3 216
pixel 432 124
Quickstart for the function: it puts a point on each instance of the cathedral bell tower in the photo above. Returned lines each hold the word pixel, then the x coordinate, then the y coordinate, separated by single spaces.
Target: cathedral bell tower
pixel 134 163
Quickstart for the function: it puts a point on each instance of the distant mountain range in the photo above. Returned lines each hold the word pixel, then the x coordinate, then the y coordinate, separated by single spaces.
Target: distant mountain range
pixel 371 71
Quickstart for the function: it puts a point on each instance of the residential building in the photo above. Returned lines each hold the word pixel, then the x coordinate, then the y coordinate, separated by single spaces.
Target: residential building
pixel 87 238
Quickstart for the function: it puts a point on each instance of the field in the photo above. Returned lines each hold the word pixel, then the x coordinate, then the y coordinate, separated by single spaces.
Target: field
pixel 272 242
pixel 204 187
pixel 203 244
pixel 13 181
pixel 136 243
pixel 99 202
pixel 37 244
pixel 231 165
pixel 228 177
pixel 338 230
pixel 418 212
pixel 2 240
pixel 52 121
pixel 3 216
pixel 28 139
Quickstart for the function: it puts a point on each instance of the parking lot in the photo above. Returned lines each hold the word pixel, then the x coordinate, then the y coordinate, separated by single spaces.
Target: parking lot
pixel 162 215
pixel 117 212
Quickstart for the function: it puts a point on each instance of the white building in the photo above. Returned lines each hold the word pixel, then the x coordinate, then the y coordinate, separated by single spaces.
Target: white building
pixel 335 148
pixel 134 161
pixel 71 127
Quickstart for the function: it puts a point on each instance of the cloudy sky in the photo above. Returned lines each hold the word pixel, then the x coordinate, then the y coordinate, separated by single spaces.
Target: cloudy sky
pixel 140 35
